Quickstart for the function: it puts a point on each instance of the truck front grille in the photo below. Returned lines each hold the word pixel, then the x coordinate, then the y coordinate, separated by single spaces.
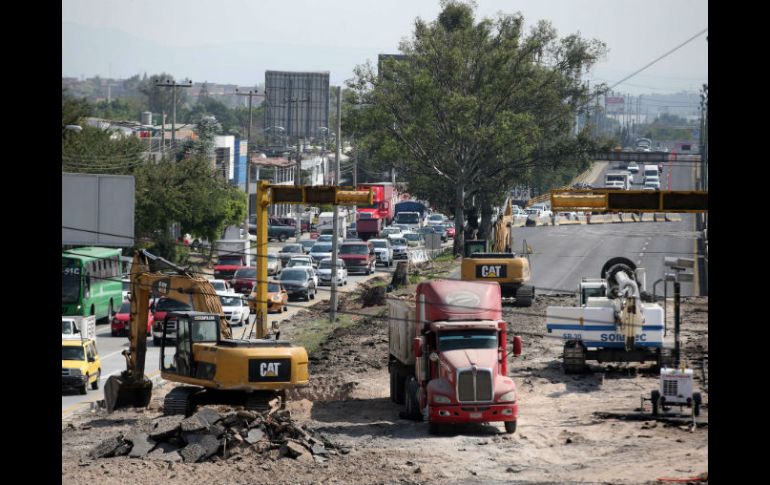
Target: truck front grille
pixel 476 388
pixel 65 372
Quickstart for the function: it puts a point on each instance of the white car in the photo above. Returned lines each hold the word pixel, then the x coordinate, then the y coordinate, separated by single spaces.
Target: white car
pixel 436 219
pixel 400 246
pixel 304 262
pixel 651 184
pixel 220 286
pixel 544 209
pixel 633 167
pixel 391 231
pixel 235 307
pixel 325 272
pixel 383 250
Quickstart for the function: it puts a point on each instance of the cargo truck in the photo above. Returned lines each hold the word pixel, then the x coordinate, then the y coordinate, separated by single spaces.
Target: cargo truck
pixel 448 355
pixel 370 219
pixel 231 255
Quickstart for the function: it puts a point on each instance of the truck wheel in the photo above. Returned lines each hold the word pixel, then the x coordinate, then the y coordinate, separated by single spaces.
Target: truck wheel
pixel 393 379
pixel 95 384
pixel 524 296
pixel 696 400
pixel 412 403
pixel 282 237
pixel 156 341
pixel 655 397
pixel 435 428
pixel 84 388
pixel 510 427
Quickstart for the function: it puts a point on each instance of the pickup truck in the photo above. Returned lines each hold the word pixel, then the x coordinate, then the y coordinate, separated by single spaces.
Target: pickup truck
pixel 280 232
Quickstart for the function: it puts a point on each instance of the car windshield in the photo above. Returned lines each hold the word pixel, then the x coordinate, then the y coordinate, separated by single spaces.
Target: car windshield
pixel 308 243
pixel 218 285
pixel 380 244
pixel 126 286
pixel 230 301
pixel 292 248
pixel 467 339
pixel 327 264
pixel 229 260
pixel 72 353
pixel 299 262
pixel 354 249
pixel 412 237
pixel 125 307
pixel 70 280
pixel 169 305
pixel 404 218
pixel 293 274
pixel 324 238
pixel 399 241
pixel 272 257
pixel 436 217
pixel 246 273
pixel 273 288
pixel 321 248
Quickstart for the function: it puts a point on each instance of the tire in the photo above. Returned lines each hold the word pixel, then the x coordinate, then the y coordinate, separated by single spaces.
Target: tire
pixel 435 428
pixel 282 237
pixel 286 308
pixel 307 295
pixel 95 384
pixel 113 333
pixel 156 341
pixel 84 388
pixel 411 402
pixel 655 397
pixel 312 295
pixel 510 427
pixel 696 401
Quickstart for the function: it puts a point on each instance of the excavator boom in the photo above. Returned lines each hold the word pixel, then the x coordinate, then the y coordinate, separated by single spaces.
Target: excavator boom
pixel 132 387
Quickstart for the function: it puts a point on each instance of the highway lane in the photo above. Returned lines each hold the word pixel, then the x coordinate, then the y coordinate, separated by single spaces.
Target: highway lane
pixel 564 254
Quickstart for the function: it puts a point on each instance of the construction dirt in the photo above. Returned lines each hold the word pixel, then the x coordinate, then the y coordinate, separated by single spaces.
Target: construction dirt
pixel 571 428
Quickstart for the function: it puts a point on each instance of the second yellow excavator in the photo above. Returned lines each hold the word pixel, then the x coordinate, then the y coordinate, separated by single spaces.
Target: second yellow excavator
pixel 197 349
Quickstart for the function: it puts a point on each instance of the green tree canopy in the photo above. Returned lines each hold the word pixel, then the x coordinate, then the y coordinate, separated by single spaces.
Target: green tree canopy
pixel 474 106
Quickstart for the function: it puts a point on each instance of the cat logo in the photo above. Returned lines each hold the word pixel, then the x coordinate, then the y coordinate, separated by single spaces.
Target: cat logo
pixel 491 271
pixel 269 369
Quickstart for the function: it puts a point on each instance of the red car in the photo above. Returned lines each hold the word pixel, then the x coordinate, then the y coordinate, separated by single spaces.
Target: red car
pixel 450 231
pixel 120 323
pixel 244 280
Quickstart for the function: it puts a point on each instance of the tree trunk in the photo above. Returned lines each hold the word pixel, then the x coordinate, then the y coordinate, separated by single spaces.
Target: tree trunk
pixel 485 228
pixel 459 245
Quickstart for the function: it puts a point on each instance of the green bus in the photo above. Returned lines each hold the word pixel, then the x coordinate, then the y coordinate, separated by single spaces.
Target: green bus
pixel 90 282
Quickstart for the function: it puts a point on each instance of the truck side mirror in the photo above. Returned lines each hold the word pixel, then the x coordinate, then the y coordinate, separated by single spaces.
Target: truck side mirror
pixel 417 347
pixel 516 346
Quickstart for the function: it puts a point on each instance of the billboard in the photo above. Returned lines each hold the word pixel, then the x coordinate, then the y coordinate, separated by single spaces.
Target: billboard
pixel 614 104
pixel 97 210
pixel 298 102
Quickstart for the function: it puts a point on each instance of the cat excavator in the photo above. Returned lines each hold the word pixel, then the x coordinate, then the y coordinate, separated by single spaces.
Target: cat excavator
pixel 198 350
pixel 501 264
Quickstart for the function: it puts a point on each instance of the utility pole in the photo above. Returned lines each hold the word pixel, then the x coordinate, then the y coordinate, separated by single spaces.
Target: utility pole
pixel 168 84
pixel 163 136
pixel 335 223
pixel 250 94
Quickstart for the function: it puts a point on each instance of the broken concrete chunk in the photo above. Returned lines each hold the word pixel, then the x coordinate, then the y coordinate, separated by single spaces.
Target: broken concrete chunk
pixel 208 442
pixel 193 424
pixel 192 453
pixel 166 426
pixel 255 434
pixel 107 447
pixel 142 445
pixel 247 415
pixel 123 449
pixel 319 450
pixel 217 430
pixel 208 416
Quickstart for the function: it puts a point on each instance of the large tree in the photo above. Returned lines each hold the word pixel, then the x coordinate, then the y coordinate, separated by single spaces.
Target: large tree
pixel 474 106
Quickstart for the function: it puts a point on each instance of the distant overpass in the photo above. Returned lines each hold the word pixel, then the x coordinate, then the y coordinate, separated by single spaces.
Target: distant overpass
pixel 652 157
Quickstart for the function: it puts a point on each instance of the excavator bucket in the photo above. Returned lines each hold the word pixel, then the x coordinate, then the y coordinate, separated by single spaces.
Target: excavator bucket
pixel 121 393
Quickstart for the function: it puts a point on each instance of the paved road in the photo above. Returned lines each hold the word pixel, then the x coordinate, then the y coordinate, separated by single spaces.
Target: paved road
pixel 564 254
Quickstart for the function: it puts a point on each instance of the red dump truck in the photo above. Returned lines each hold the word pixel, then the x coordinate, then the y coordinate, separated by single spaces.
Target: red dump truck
pixel 448 356
pixel 371 219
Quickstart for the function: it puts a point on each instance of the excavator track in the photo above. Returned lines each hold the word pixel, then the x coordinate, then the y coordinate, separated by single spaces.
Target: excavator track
pixel 266 401
pixel 181 400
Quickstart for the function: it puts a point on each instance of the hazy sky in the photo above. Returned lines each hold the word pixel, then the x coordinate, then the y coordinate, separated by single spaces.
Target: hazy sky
pixel 235 41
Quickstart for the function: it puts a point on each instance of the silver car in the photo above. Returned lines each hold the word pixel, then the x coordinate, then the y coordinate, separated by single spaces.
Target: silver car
pixel 273 264
pixel 325 272
pixel 321 250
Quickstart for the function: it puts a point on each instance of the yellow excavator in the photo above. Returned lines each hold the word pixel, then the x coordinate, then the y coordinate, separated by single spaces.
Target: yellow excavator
pixel 500 264
pixel 197 349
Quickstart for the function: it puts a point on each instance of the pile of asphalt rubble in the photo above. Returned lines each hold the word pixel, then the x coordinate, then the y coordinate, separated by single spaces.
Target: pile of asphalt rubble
pixel 210 436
